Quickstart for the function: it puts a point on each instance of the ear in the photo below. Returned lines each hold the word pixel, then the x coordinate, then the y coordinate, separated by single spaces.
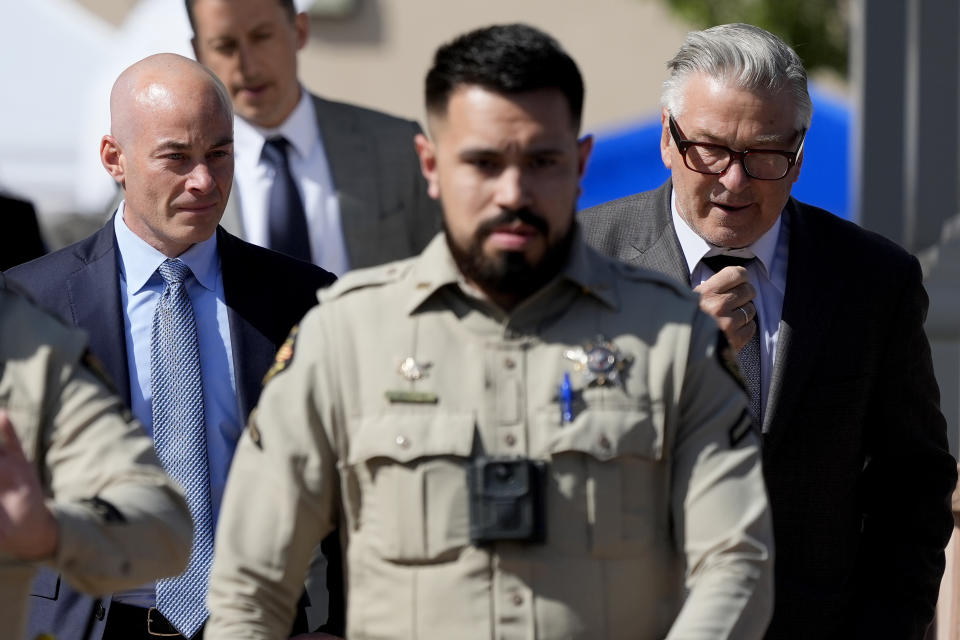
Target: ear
pixel 301 24
pixel 427 152
pixel 584 147
pixel 196 49
pixel 796 167
pixel 665 154
pixel 111 155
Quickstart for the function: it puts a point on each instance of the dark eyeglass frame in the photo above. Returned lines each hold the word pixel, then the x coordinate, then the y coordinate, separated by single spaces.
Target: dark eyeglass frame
pixel 683 145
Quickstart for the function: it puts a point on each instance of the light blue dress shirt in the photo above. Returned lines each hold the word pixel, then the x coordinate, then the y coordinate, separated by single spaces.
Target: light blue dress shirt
pixel 140 288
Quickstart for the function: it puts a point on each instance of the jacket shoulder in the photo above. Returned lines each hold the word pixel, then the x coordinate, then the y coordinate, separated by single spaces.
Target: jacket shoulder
pixel 363 115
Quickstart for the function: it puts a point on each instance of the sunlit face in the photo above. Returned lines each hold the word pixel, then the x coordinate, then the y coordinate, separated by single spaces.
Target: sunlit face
pixel 252 46
pixel 175 164
pixel 507 170
pixel 731 209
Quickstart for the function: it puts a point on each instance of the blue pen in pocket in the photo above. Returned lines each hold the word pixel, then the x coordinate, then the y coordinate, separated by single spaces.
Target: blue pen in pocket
pixel 566 398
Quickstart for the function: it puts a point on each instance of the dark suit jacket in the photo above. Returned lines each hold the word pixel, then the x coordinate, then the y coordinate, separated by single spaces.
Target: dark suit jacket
pixel 855 457
pixel 20 238
pixel 266 293
pixel 384 207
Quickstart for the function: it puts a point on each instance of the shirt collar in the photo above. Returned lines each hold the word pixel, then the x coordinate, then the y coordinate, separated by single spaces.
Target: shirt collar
pixel 696 248
pixel 300 129
pixel 139 261
pixel 436 269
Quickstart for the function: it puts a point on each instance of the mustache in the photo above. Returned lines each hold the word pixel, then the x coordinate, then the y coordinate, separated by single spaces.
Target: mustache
pixel 526 215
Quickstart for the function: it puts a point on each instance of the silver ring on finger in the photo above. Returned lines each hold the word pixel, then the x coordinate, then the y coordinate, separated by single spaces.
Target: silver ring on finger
pixel 746 316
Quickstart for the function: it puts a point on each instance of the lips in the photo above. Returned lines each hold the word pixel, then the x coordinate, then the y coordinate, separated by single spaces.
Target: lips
pixel 730 208
pixel 513 236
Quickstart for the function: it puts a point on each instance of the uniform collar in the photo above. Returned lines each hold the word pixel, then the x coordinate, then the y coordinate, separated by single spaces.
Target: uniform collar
pixel 436 269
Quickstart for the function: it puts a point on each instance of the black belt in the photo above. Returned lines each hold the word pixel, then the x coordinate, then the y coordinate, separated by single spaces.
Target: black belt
pixel 136 623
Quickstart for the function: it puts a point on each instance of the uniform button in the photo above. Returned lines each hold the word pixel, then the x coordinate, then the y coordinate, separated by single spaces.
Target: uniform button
pixel 604 443
pixel 517 599
pixel 509 363
pixel 402 442
pixel 510 440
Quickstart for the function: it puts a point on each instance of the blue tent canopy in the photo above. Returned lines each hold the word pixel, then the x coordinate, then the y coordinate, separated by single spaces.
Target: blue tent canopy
pixel 627 160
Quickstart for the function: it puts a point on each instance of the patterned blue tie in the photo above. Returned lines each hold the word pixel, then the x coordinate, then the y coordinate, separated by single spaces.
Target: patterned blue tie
pixel 287 221
pixel 749 356
pixel 180 438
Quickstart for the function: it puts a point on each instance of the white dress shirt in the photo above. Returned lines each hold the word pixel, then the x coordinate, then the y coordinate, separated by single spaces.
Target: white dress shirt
pixel 767 274
pixel 253 177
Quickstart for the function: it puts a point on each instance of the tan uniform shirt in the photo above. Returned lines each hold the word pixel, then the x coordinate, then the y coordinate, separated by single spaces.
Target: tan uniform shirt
pixel 122 521
pixel 657 517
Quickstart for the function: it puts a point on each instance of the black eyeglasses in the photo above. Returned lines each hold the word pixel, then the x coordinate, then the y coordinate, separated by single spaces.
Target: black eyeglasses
pixel 715 159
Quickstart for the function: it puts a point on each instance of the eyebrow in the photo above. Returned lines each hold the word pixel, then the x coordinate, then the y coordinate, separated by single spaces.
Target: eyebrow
pixel 177 145
pixel 770 138
pixel 473 152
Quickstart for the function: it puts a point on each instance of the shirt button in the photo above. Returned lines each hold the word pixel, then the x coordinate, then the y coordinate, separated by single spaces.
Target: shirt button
pixel 509 363
pixel 510 440
pixel 604 443
pixel 402 442
pixel 517 599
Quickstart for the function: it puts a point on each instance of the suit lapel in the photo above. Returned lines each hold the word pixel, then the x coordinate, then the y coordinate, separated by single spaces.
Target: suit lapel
pixel 656 244
pixel 349 153
pixel 253 351
pixel 100 273
pixel 808 308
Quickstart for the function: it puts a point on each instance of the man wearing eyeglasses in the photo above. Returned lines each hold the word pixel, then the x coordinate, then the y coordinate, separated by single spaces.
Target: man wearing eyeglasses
pixel 827 320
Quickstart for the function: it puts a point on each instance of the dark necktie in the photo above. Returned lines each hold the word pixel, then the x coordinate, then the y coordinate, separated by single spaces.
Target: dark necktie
pixel 287 220
pixel 749 355
pixel 180 438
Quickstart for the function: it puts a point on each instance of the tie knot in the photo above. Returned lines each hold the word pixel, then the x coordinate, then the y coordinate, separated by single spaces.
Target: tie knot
pixel 718 262
pixel 275 151
pixel 173 271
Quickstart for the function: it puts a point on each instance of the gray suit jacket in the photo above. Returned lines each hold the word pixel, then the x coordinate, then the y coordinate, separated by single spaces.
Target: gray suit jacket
pixel 384 207
pixel 856 457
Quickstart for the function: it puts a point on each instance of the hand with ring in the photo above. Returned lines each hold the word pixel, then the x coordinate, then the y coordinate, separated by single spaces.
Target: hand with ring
pixel 728 297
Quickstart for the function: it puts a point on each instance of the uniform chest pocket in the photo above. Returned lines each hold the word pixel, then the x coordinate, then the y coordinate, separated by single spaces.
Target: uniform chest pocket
pixel 411 470
pixel 611 458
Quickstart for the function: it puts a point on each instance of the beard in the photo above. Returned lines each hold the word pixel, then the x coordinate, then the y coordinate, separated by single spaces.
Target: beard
pixel 508 273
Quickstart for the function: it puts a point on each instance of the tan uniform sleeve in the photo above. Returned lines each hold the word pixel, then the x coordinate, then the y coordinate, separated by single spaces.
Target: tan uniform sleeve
pixel 719 502
pixel 122 521
pixel 280 498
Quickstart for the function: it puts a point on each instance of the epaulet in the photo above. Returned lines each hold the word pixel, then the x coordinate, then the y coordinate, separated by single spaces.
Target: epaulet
pixel 642 274
pixel 365 278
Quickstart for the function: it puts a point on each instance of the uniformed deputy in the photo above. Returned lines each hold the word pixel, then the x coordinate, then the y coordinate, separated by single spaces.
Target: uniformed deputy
pixel 521 438
pixel 80 486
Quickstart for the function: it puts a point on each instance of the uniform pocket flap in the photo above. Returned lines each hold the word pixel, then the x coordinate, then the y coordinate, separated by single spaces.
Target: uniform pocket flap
pixel 609 433
pixel 406 437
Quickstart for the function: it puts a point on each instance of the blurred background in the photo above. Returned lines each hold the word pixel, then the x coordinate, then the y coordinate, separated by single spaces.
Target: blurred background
pixel 375 53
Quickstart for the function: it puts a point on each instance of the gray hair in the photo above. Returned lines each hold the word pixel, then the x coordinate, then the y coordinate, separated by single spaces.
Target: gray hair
pixel 743 55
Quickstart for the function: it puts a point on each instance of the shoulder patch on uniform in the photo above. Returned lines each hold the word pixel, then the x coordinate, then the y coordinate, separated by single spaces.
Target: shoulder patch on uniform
pixel 740 429
pixel 728 360
pixel 364 278
pixel 284 355
pixel 97 368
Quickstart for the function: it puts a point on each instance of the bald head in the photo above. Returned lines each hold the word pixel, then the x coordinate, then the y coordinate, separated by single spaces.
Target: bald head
pixel 159 82
pixel 171 149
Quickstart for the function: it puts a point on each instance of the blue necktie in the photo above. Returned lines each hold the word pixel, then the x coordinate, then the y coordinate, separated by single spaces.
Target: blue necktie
pixel 286 217
pixel 749 356
pixel 180 438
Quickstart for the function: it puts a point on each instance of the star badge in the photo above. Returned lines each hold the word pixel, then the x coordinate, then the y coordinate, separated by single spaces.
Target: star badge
pixel 600 361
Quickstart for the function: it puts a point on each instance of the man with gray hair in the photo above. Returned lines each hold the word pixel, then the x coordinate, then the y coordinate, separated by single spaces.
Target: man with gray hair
pixel 828 322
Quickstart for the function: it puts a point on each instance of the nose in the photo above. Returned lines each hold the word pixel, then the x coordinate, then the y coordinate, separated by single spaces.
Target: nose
pixel 200 179
pixel 735 178
pixel 248 62
pixel 512 191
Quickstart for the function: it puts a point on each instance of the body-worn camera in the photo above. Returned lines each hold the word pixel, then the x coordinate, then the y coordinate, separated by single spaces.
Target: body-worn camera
pixel 507 500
